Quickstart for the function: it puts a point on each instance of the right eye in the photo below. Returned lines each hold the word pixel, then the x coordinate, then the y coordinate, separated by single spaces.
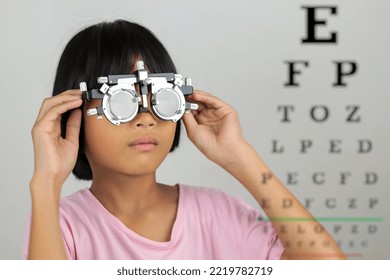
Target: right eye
pixel 123 105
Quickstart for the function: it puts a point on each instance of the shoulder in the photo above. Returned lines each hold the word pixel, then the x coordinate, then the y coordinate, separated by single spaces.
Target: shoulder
pixel 74 199
pixel 77 205
pixel 203 194
pixel 216 201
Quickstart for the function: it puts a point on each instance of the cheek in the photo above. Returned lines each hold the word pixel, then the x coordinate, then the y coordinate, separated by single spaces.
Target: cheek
pixel 99 135
pixel 96 130
pixel 169 133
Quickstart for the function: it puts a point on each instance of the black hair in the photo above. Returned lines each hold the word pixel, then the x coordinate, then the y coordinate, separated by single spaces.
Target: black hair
pixel 107 48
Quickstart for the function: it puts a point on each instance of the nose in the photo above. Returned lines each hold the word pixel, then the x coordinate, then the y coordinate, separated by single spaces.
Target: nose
pixel 145 120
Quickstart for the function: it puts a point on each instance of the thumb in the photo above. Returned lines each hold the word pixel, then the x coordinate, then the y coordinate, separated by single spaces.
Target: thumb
pixel 73 126
pixel 190 123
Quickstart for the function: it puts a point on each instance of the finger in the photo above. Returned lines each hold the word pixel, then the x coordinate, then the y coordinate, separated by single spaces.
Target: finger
pixel 197 93
pixel 54 113
pixel 190 123
pixel 73 126
pixel 209 101
pixel 200 105
pixel 202 92
pixel 61 98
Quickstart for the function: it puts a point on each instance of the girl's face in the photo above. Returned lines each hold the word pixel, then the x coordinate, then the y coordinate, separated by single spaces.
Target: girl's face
pixel 133 148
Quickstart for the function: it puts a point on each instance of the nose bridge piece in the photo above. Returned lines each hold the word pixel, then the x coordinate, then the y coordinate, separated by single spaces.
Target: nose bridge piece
pixel 143 80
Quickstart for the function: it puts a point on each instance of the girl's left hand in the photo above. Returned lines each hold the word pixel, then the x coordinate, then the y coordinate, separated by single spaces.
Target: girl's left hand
pixel 214 128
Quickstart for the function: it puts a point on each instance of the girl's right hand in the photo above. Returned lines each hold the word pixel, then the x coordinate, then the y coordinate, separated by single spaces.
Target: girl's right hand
pixel 55 156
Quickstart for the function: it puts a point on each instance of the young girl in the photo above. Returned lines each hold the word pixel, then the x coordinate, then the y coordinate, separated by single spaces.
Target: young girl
pixel 126 214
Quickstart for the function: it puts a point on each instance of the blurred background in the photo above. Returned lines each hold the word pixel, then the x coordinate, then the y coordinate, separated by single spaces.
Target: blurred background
pixel 328 144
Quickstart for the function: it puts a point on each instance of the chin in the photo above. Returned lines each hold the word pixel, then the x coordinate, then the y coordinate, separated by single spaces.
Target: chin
pixel 141 167
pixel 129 164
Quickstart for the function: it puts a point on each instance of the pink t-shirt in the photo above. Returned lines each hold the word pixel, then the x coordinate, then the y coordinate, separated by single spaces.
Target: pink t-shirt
pixel 209 225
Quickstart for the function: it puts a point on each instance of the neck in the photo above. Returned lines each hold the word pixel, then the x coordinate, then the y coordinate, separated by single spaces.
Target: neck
pixel 126 193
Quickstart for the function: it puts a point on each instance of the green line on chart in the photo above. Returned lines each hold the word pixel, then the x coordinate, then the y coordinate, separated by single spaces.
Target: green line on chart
pixel 324 219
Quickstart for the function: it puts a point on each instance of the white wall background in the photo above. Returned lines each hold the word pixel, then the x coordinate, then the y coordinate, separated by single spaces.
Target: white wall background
pixel 235 50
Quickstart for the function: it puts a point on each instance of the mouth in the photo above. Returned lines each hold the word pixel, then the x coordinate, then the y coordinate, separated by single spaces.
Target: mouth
pixel 144 144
